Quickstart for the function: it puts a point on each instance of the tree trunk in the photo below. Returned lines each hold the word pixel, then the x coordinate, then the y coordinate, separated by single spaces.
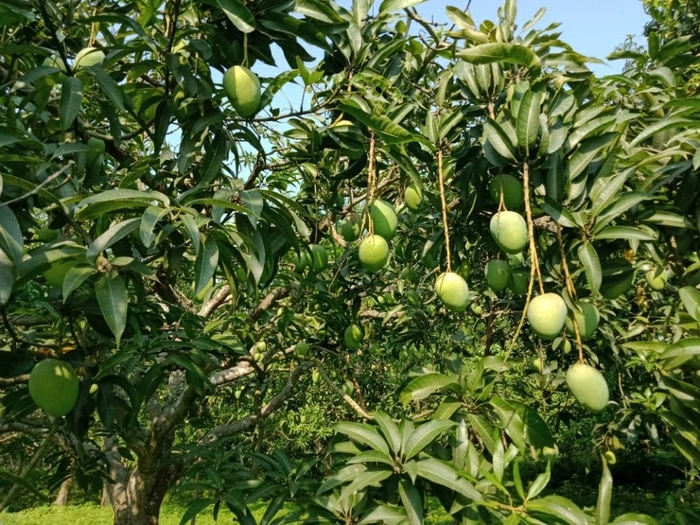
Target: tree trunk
pixel 63 492
pixel 134 503
pixel 137 495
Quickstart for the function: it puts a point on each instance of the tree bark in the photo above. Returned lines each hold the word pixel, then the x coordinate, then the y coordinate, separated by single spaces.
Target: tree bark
pixel 64 492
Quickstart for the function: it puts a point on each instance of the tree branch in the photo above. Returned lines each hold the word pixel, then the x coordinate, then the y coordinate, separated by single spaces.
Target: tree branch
pixel 250 421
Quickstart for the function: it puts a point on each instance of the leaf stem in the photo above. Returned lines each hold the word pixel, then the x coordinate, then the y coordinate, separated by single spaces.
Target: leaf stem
pixel 572 292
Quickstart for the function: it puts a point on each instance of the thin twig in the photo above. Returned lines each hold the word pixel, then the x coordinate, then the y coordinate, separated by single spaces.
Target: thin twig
pixel 443 202
pixel 48 180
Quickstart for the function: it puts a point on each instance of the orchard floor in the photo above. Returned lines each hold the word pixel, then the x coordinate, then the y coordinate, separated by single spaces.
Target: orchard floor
pixel 88 514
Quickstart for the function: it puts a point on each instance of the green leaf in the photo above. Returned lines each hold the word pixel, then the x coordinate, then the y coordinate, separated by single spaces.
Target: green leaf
pixel 606 189
pixel 347 473
pixel 424 386
pixel 7 278
pixel 149 219
pixel 518 480
pixel 499 139
pixel 484 430
pixel 390 431
pixel 691 300
pixel 528 120
pixel 681 352
pixel 389 131
pixel 634 519
pixel 522 423
pixel 501 52
pixel 112 235
pixel 70 102
pixel 239 14
pixel 560 214
pixel 370 478
pixel 389 6
pixel 318 10
pixel 619 206
pixel 385 514
pixel 591 266
pixel 11 240
pixel 602 509
pixel 371 456
pixel 364 434
pixel 541 481
pixel 195 508
pixel 585 154
pixel 108 86
pixel 113 301
pixel 662 125
pixel 424 435
pixel 411 502
pixel 205 264
pixel 445 474
pixel 627 233
pixel 74 278
pixel 562 508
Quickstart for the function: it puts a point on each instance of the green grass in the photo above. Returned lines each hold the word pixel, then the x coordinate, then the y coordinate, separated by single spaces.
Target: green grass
pixel 91 514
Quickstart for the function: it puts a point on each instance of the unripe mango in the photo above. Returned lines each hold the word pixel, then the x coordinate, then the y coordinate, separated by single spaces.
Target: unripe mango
pixel 54 387
pixel 384 220
pixel 452 291
pixel 374 253
pixel 242 87
pixel 587 320
pixel 547 315
pixel 497 274
pixel 511 188
pixel 588 386
pixel 509 230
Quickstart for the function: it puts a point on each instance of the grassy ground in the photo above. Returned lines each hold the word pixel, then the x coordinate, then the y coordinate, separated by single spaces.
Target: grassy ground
pixel 170 515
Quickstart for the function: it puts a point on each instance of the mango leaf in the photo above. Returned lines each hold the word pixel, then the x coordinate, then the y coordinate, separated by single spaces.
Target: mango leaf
pixel 424 435
pixel 74 278
pixel 390 431
pixel 389 6
pixel 662 125
pixel 560 214
pixel 619 206
pixel 11 240
pixel 205 264
pixel 691 300
pixel 371 456
pixel 634 519
pixel 70 102
pixel 602 509
pixel 445 474
pixel 528 120
pixel 371 478
pixel 484 430
pixel 113 301
pixel 501 52
pixel 591 266
pixel 113 234
pixel 605 189
pixel 7 278
pixel 499 139
pixel 389 131
pixel 411 501
pixel 540 483
pixel 562 508
pixel 364 434
pixel 108 86
pixel 149 219
pixel 585 154
pixel 522 423
pixel 318 10
pixel 385 514
pixel 424 386
pixel 627 232
pixel 195 508
pixel 338 478
pixel 681 352
pixel 239 14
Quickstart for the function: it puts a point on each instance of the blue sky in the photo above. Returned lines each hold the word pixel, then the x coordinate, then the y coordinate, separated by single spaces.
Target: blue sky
pixel 591 27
